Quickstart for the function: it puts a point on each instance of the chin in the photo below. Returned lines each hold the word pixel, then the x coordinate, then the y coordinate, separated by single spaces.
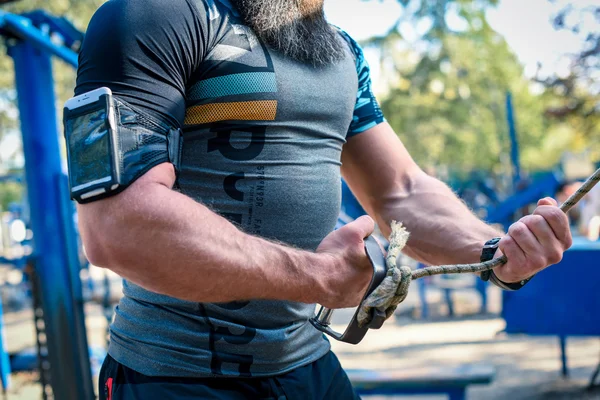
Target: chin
pixel 312 6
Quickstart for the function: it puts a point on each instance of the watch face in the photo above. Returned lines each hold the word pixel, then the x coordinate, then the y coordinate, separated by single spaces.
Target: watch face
pixel 489 249
pixel 492 243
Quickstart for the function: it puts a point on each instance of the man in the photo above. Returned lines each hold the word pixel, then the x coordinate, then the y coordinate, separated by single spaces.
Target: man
pixel 223 267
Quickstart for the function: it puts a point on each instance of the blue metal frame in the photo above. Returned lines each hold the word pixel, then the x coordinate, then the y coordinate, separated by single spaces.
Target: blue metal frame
pixel 52 221
pixel 22 28
pixel 5 368
pixel 503 213
pixel 514 144
pixel 11 178
pixel 562 340
pixel 455 393
pixel 451 382
pixel 560 301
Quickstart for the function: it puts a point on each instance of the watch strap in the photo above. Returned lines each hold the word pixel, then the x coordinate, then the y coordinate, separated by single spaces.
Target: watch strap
pixel 487 253
pixel 508 286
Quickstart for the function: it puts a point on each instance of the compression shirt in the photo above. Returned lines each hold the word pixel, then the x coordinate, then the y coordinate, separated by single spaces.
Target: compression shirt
pixel 263 136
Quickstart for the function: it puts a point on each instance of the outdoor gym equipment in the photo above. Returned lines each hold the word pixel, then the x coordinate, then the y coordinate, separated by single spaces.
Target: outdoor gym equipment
pixel 32 39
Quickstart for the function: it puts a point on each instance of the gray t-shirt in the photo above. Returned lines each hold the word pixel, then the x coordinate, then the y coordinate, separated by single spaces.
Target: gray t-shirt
pixel 263 137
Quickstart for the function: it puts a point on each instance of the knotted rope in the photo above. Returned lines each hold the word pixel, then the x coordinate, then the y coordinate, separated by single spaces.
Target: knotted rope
pixel 394 288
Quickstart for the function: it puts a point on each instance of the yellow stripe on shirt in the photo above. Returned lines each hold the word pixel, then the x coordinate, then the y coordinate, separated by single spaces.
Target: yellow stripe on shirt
pixel 260 110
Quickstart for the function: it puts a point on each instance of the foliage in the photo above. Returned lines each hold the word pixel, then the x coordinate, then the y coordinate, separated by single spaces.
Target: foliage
pixel 448 86
pixel 573 101
pixel 10 192
pixel 447 89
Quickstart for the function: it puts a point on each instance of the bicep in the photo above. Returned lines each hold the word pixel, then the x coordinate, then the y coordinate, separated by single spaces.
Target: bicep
pixel 102 223
pixel 377 166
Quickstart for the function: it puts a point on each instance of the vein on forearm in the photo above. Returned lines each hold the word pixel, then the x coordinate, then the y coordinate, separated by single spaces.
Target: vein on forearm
pixel 443 229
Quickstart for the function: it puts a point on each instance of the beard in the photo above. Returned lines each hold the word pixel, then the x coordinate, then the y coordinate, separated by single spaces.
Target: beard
pixel 296 28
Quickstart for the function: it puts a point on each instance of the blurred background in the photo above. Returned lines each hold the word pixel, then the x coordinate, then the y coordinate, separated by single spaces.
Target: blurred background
pixel 498 98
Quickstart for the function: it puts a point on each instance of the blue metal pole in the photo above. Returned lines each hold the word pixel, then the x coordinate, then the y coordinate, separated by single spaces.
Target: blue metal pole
pixel 449 303
pixel 481 287
pixel 563 355
pixel 514 144
pixel 421 285
pixel 63 310
pixel 4 360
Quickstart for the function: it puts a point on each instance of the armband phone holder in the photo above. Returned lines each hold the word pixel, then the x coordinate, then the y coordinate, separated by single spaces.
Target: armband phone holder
pixel 111 143
pixel 354 333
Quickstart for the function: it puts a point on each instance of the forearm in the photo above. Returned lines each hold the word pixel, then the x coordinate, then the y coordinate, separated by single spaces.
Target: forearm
pixel 391 186
pixel 175 246
pixel 442 228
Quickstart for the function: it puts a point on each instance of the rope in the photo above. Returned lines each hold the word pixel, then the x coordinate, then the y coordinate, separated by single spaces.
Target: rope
pixel 394 288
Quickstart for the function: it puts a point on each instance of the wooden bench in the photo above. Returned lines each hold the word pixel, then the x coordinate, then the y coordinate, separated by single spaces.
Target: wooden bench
pixel 452 381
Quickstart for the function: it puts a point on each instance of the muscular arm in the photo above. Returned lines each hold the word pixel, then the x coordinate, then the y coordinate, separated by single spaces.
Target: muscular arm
pixel 145 51
pixel 170 244
pixel 390 186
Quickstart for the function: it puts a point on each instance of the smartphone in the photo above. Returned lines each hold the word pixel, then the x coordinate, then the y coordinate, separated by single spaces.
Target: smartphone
pixel 90 133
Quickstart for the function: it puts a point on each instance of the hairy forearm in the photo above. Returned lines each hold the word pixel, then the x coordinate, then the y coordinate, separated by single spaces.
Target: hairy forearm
pixel 175 246
pixel 443 230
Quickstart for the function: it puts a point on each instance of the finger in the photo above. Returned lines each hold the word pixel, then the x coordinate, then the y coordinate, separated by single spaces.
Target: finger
pixel 363 226
pixel 525 239
pixel 558 222
pixel 547 201
pixel 511 250
pixel 552 247
pixel 510 272
pixel 540 229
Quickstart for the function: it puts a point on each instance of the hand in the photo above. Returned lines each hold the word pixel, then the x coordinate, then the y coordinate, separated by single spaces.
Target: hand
pixel 534 242
pixel 347 270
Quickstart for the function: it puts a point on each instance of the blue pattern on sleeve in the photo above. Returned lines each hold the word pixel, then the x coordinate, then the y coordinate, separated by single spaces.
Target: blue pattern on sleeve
pixel 367 112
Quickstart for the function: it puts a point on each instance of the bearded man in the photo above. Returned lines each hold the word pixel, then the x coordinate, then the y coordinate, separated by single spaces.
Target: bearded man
pixel 224 261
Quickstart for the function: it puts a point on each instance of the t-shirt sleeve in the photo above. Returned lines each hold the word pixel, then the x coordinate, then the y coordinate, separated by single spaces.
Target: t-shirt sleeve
pixel 144 51
pixel 367 112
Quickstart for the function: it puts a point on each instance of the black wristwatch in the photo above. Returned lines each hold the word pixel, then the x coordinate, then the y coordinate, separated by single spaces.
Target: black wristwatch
pixel 489 249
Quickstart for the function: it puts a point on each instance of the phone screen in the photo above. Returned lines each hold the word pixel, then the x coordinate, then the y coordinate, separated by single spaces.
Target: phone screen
pixel 90 160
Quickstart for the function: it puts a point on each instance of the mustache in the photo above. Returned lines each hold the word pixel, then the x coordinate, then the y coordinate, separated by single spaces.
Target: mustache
pixel 287 27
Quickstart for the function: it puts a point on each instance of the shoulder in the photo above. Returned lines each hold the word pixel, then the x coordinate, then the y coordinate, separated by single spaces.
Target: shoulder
pixel 367 112
pixel 143 13
pixel 362 67
pixel 353 44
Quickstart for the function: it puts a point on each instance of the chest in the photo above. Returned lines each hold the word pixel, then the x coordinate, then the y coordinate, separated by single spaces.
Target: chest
pixel 263 138
pixel 242 82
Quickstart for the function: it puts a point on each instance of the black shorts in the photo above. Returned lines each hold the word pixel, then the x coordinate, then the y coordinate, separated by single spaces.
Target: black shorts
pixel 324 379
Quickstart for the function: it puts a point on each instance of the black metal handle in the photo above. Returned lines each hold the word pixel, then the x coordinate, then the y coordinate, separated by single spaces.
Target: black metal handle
pixel 353 333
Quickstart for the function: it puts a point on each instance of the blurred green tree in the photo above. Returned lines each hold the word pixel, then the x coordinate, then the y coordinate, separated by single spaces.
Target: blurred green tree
pixel 447 85
pixel 10 192
pixel 448 73
pixel 572 101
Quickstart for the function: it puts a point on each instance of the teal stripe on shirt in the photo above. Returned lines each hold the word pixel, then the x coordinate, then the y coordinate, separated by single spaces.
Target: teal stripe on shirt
pixel 228 85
